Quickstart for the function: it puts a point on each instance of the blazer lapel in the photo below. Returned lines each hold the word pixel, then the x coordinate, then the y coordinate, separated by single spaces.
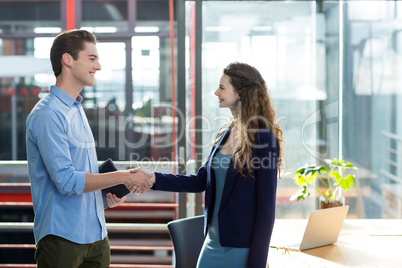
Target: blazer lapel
pixel 211 177
pixel 231 173
pixel 222 141
pixel 213 153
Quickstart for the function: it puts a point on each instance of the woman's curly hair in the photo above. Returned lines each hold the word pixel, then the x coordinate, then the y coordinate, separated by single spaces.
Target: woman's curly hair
pixel 255 111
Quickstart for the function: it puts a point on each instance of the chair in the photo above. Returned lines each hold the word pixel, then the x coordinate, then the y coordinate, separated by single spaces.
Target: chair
pixel 188 237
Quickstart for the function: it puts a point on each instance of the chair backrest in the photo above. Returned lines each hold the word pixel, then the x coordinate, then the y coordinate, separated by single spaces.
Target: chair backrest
pixel 187 237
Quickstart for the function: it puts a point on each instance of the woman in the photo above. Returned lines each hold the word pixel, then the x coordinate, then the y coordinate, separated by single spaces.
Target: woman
pixel 240 175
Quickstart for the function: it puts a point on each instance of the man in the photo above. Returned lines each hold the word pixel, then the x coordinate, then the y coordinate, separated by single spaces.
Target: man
pixel 69 227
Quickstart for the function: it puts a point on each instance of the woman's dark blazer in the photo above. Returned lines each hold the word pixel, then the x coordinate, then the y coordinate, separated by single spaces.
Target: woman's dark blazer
pixel 247 211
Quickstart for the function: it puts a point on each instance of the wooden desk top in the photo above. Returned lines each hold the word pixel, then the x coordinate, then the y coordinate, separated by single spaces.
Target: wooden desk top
pixel 362 243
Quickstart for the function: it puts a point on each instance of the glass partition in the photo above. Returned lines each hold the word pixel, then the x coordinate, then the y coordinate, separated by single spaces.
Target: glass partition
pixel 100 16
pixel 105 103
pixel 152 102
pixel 372 98
pixel 332 70
pixel 280 40
pixel 38 16
pixel 24 79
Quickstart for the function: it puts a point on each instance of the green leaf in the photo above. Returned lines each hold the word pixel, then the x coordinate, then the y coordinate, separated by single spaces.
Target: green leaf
pixel 336 176
pixel 311 178
pixel 300 170
pixel 349 165
pixel 300 180
pixel 310 170
pixel 346 183
pixel 300 194
pixel 342 164
pixel 322 170
pixel 331 163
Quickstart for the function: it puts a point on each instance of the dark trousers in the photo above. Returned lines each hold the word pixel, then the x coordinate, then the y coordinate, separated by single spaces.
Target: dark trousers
pixel 56 252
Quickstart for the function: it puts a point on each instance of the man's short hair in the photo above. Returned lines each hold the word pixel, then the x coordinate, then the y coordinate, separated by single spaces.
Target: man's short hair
pixel 71 42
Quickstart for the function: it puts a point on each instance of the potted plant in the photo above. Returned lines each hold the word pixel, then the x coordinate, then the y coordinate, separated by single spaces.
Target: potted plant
pixel 306 176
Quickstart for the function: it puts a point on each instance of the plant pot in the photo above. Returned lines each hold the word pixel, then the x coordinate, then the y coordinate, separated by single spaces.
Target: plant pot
pixel 338 201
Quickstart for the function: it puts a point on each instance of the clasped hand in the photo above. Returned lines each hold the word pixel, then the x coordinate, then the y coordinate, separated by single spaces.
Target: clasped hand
pixel 140 180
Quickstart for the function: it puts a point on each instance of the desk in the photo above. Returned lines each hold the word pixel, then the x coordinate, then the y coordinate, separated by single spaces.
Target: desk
pixel 361 243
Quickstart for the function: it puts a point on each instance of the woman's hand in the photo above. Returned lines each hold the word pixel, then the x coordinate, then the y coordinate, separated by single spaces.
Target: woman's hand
pixel 150 175
pixel 141 173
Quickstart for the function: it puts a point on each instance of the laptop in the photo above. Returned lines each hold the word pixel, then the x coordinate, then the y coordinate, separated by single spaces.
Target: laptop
pixel 323 228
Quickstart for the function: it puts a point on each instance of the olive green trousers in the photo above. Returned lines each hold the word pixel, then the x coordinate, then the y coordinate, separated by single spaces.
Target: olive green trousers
pixel 57 252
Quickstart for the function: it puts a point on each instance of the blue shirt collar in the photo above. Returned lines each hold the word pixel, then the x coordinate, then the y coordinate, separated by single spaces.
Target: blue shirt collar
pixel 64 97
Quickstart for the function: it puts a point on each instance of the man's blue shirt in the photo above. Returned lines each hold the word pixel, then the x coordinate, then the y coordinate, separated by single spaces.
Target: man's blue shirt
pixel 60 150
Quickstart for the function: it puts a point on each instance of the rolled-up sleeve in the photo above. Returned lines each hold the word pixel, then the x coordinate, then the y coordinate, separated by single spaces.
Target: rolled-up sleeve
pixel 48 131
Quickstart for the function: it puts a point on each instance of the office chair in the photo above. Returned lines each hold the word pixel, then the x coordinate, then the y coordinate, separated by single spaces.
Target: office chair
pixel 187 237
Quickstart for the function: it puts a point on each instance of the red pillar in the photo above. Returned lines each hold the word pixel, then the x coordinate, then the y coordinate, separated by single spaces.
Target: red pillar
pixel 70 11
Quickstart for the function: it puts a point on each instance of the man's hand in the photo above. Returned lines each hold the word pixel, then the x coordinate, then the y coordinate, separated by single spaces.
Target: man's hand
pixel 138 182
pixel 150 175
pixel 114 201
pixel 140 172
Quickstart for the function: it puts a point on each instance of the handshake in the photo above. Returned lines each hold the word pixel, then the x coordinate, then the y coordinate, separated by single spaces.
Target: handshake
pixel 136 180
pixel 139 180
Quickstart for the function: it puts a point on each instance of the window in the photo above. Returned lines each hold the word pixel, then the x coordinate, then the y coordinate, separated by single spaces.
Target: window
pixel 328 104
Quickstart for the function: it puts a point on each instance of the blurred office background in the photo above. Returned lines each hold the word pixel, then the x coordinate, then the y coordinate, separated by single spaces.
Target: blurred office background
pixel 333 69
